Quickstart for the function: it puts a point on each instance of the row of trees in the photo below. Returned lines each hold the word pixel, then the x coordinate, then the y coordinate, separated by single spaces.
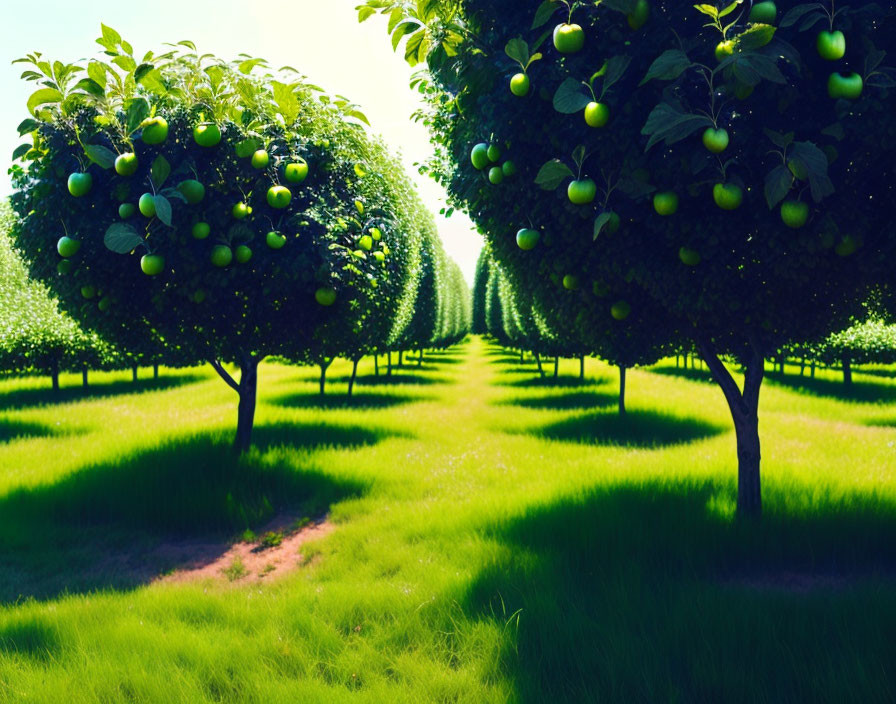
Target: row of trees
pixel 714 176
pixel 196 209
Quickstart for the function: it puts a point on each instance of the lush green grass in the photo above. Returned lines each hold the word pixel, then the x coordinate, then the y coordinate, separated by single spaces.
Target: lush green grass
pixel 498 538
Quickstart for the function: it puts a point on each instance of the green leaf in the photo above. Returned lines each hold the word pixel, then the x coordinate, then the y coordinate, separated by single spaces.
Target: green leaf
pixel 731 8
pixel 518 50
pixel 97 71
pixel 709 10
pixel 616 68
pixel 781 141
pixel 21 151
pixel 137 112
pixel 110 35
pixel 365 13
pixel 671 124
pixel 600 223
pixel 756 37
pixel 159 171
pixel 141 71
pixel 795 14
pixel 44 96
pixel 777 185
pixel 122 238
pixel 570 97
pixel 668 66
pixel 27 125
pixel 544 13
pixel 90 86
pixel 578 155
pixel 552 174
pixel 286 100
pixel 816 164
pixel 163 209
pixel 99 155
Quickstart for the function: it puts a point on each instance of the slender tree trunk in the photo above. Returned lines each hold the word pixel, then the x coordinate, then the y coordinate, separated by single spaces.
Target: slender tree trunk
pixel 84 382
pixel 155 371
pixel 802 366
pixel 556 366
pixel 684 358
pixel 420 358
pixel 351 382
pixel 812 370
pixel 744 406
pixel 376 365
pixel 677 362
pixel 522 356
pixel 538 362
pixel 847 371
pixel 247 390
pixel 54 377
pixel 582 368
pixel 781 362
pixel 622 371
pixel 389 361
pixel 324 365
pixel 400 358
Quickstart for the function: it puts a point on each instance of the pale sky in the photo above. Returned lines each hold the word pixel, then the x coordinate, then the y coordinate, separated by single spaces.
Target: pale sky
pixel 321 38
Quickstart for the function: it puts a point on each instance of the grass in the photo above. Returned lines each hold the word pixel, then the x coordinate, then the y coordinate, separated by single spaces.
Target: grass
pixel 499 539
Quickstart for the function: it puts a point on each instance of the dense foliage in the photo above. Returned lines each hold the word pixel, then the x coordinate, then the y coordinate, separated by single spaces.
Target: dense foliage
pixel 215 210
pixel 708 172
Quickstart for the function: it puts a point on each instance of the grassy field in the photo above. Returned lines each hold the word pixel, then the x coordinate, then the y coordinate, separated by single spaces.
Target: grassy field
pixel 498 539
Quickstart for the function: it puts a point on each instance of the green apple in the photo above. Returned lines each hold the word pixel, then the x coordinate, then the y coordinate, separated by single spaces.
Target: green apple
pixel 847 86
pixel 198 296
pixel 147 205
pixel 724 50
pixel 666 203
pixel 325 296
pixel 831 45
pixel 568 38
pixel 152 264
pixel 493 153
pixel 689 257
pixel 620 310
pixel 597 114
pixel 376 234
pixel 638 17
pixel 297 171
pixel 104 304
pixel 527 239
pixel 571 282
pixel 763 13
pixel 716 140
pixel 207 134
pixel 366 243
pixel 243 254
pixel 127 210
pixel 88 292
pixel 65 267
pixel 275 240
pixel 192 190
pixel 126 164
pixel 261 159
pixel 155 130
pixel 201 230
pixel 847 246
pixel 496 175
pixel 519 85
pixel 221 255
pixel 582 192
pixel 380 257
pixel 279 197
pixel 240 211
pixel 79 184
pixel 794 213
pixel 479 156
pixel 509 169
pixel 728 196
pixel 67 247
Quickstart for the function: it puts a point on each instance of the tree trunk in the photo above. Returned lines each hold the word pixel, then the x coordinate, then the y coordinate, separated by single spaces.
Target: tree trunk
pixel 84 381
pixel 400 358
pixel 621 390
pixel 420 359
pixel 802 366
pixel 376 365
pixel 782 361
pixel 556 366
pixel 351 382
pixel 522 356
pixel 389 361
pixel 134 373
pixel 246 388
pixel 812 370
pixel 847 371
pixel 582 368
pixel 54 378
pixel 324 365
pixel 744 406
pixel 538 362
pixel 677 362
pixel 155 371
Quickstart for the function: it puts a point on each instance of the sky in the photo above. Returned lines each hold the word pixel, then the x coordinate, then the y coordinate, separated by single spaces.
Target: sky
pixel 321 38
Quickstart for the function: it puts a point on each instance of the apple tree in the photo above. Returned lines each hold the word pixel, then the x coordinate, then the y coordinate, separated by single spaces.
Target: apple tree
pixel 206 204
pixel 723 169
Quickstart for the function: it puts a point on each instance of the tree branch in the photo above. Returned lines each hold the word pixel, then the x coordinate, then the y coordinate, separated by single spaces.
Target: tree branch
pixel 222 372
pixel 720 373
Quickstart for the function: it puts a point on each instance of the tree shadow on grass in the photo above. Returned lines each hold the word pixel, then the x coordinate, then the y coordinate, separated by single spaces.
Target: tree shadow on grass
pixel 574 400
pixel 861 390
pixel 26 398
pixel 104 525
pixel 690 374
pixel 634 429
pixel 397 378
pixel 12 429
pixel 647 593
pixel 358 400
pixel 548 381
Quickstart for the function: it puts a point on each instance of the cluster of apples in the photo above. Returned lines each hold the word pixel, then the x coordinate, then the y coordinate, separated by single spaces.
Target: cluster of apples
pixel 487 156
